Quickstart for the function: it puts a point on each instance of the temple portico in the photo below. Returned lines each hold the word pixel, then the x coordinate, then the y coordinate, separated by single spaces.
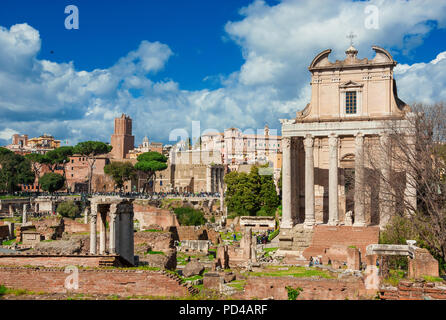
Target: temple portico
pixel 326 167
pixel 120 212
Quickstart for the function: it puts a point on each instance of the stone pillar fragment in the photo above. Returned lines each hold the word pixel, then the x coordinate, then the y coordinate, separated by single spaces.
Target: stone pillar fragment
pixel 309 182
pixel 209 179
pixel 333 212
pixel 11 211
pixel 359 214
pixel 287 221
pixel 113 218
pixel 93 228
pixel 102 233
pixel 24 214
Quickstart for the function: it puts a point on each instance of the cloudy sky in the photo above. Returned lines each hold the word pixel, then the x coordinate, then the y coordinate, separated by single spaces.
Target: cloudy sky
pixel 225 63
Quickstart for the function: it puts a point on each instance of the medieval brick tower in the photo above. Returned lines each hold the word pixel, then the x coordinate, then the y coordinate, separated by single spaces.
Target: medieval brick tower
pixel 122 139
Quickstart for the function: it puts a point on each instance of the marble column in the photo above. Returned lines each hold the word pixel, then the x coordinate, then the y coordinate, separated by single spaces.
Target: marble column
pixel 93 228
pixel 11 211
pixel 309 181
pixel 24 214
pixel 359 181
pixel 113 218
pixel 333 212
pixel 410 192
pixel 208 179
pixel 384 205
pixel 86 214
pixel 287 221
pixel 102 233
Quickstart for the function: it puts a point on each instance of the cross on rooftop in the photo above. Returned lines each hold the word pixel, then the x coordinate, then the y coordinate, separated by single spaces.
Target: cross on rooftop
pixel 351 36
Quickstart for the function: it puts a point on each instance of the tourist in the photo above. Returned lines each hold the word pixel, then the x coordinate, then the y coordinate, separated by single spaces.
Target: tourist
pixel 311 262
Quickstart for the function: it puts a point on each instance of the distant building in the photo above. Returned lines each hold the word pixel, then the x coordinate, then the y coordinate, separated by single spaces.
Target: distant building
pixel 146 146
pixel 122 139
pixel 22 145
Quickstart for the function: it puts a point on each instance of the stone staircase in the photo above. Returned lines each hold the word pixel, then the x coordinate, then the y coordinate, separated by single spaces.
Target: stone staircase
pixel 107 262
pixel 189 288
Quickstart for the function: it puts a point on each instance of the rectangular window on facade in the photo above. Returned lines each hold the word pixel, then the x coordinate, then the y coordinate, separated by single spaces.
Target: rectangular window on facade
pixel 350 102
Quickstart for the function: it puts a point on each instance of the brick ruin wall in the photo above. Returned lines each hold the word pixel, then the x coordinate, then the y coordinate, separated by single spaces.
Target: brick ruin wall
pixel 414 291
pixel 4 232
pixel 121 282
pixel 326 236
pixel 313 289
pixel 149 215
pixel 49 261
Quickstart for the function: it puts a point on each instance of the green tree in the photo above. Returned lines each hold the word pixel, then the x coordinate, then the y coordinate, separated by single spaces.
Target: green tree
pixel 90 150
pixel 57 157
pixel 251 194
pixel 120 172
pixel 189 216
pixel 68 209
pixel 149 163
pixel 15 170
pixel 52 182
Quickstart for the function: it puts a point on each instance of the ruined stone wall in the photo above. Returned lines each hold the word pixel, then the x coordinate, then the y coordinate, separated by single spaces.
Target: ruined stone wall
pixel 49 261
pixel 192 233
pixel 72 226
pixel 120 281
pixel 313 289
pixel 407 290
pixel 326 236
pixel 148 215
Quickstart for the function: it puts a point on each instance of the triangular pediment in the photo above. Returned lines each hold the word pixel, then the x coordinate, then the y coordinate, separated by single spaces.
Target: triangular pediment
pixel 351 84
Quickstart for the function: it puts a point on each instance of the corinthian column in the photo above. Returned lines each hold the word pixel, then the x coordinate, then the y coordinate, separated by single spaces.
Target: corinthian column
pixel 410 192
pixel 384 204
pixel 208 179
pixel 359 181
pixel 287 221
pixel 102 233
pixel 333 212
pixel 93 217
pixel 113 217
pixel 309 181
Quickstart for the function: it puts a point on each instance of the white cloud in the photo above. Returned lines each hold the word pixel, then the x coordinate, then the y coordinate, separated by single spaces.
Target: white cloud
pixel 278 43
pixel 7 133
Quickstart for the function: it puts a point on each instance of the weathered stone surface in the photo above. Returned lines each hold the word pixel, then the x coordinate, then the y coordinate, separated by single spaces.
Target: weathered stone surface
pixel 76 245
pixel 193 268
pixel 166 260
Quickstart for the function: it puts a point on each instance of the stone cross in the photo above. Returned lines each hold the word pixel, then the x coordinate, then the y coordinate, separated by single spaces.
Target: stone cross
pixel 351 36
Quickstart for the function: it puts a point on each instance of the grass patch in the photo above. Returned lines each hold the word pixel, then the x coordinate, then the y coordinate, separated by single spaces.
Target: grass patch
pixel 193 278
pixel 268 251
pixel 433 279
pixel 300 272
pixel 8 242
pixel 395 276
pixel 155 252
pixel 238 285
pixel 152 230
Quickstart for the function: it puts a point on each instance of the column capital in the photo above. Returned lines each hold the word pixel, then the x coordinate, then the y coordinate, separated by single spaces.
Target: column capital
pixel 333 140
pixel 309 141
pixel 286 142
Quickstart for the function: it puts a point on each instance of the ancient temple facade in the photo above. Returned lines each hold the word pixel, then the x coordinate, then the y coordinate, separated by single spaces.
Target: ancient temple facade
pixel 324 162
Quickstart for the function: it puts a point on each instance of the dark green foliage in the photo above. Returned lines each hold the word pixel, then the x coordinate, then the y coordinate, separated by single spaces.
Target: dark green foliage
pixel 251 194
pixel 57 157
pixel 51 182
pixel 293 293
pixel 68 209
pixel 190 217
pixel 120 172
pixel 15 170
pixel 149 163
pixel 92 148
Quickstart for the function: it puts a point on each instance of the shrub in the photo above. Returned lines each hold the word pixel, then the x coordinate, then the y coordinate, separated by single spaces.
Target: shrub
pixel 68 209
pixel 190 217
pixel 293 293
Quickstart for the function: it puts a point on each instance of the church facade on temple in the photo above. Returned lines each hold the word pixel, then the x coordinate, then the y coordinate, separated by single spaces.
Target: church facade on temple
pixel 324 162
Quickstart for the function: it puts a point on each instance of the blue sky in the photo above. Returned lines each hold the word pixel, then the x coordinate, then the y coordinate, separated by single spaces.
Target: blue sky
pixel 225 63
